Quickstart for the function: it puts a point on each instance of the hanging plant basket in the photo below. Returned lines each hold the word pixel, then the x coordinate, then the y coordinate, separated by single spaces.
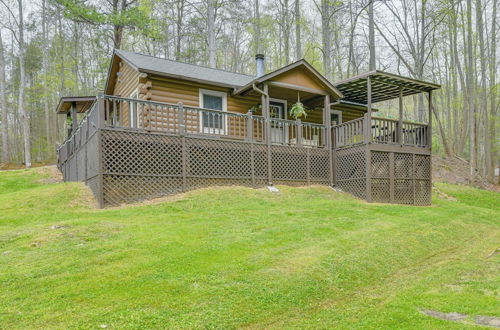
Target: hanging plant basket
pixel 298 110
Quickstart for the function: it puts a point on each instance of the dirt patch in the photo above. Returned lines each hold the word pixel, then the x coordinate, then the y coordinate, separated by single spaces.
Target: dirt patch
pixel 443 195
pixel 490 321
pixel 52 173
pixel 456 170
pixel 445 316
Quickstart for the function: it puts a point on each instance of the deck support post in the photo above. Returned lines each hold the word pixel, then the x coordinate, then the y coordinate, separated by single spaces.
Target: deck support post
pixel 74 118
pixel 182 132
pixel 327 123
pixel 249 128
pixel 100 159
pixel 391 177
pixel 429 125
pixel 267 121
pixel 400 121
pixel 368 139
pixel 429 143
pixel 101 118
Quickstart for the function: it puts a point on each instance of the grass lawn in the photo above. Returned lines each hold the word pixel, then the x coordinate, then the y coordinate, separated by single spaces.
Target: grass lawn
pixel 239 257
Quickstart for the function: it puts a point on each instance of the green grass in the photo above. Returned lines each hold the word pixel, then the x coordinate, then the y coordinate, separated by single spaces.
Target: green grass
pixel 239 257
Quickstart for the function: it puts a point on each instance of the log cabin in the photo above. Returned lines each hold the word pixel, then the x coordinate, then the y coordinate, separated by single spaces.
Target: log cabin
pixel 163 127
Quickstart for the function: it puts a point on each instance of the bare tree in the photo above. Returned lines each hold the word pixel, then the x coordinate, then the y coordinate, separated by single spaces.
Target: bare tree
pixel 371 35
pixel 491 146
pixel 298 42
pixel 211 33
pixel 470 92
pixel 45 68
pixel 179 24
pixel 258 47
pixel 3 105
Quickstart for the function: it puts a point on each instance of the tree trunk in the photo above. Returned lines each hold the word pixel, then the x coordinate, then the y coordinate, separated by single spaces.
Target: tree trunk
pixel 25 118
pixel 470 90
pixel 298 42
pixel 178 28
pixel 3 106
pixel 493 109
pixel 45 68
pixel 325 36
pixel 258 49
pixel 211 33
pixel 483 99
pixel 371 36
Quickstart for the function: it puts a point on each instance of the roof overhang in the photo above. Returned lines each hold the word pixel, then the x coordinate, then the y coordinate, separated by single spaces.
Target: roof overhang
pixel 331 88
pixel 82 103
pixel 385 86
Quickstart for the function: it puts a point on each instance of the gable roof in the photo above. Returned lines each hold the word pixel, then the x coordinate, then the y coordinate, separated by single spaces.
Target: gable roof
pixel 302 62
pixel 164 67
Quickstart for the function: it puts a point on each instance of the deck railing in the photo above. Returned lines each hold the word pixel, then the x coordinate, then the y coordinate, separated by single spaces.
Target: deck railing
pixel 135 114
pixel 349 133
pixel 180 118
pixel 380 131
pixel 86 128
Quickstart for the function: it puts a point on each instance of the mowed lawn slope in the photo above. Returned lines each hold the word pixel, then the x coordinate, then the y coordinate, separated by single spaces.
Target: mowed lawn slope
pixel 240 257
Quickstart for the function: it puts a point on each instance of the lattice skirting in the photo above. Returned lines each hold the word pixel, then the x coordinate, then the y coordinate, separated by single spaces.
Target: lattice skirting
pixel 125 166
pixel 350 170
pixel 138 166
pixel 393 177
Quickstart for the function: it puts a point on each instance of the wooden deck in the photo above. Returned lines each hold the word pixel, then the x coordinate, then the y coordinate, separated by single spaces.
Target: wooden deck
pixel 167 148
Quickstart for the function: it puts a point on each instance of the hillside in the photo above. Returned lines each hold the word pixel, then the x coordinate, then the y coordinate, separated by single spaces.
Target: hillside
pixel 240 257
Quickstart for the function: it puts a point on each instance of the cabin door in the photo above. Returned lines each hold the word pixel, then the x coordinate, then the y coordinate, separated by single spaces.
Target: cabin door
pixel 277 110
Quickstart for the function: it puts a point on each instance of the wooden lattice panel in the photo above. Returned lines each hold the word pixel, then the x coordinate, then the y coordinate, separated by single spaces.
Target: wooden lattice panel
pixel 141 154
pixel 319 166
pixel 380 164
pixel 259 152
pixel 380 190
pixel 118 189
pixel 218 160
pixel 403 165
pixel 351 170
pixel 423 192
pixel 422 167
pixel 403 191
pixel 351 163
pixel 289 164
pixel 423 186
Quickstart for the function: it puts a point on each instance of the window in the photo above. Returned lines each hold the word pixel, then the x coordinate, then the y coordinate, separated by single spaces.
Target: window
pixel 335 117
pixel 133 115
pixel 213 122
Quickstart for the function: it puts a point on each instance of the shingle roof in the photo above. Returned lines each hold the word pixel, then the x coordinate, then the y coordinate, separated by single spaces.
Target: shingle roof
pixel 150 64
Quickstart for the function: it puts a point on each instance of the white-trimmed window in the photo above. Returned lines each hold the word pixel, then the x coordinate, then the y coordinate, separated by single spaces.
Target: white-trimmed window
pixel 133 114
pixel 213 122
pixel 335 117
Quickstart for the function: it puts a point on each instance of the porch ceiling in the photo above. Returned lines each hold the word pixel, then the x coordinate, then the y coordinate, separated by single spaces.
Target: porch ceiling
pixel 289 95
pixel 385 86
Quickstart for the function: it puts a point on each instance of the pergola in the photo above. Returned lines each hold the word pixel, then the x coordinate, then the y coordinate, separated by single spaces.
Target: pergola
pixel 377 86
